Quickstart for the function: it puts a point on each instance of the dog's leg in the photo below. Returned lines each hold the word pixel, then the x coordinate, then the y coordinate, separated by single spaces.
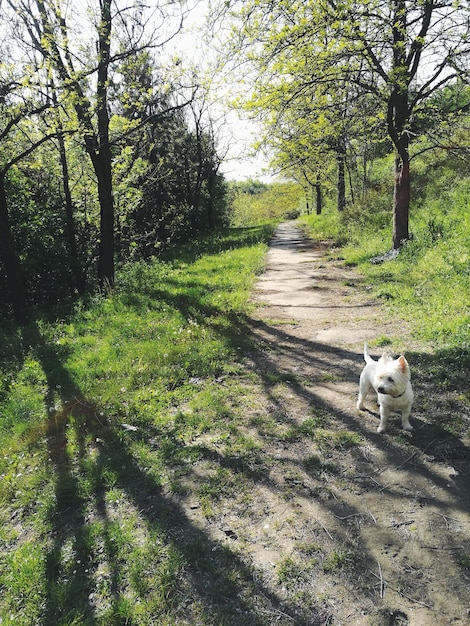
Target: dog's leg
pixel 405 419
pixel 364 389
pixel 384 413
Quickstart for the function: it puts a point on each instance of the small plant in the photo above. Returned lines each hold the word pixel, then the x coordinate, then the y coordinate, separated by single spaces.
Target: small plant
pixel 314 465
pixel 338 560
pixel 309 426
pixel 464 561
pixel 292 574
pixel 334 440
pixel 382 342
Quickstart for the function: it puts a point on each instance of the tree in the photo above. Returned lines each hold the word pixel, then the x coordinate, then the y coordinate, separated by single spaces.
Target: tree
pixel 207 177
pixel 10 258
pixel 22 106
pixel 49 33
pixel 77 270
pixel 399 51
pixel 176 192
pixel 76 70
pixel 8 250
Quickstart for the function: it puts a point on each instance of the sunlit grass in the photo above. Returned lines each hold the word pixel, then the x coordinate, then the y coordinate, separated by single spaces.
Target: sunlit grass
pixel 102 411
pixel 428 283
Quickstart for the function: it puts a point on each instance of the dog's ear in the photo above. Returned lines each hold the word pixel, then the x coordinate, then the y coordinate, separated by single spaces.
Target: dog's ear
pixel 403 363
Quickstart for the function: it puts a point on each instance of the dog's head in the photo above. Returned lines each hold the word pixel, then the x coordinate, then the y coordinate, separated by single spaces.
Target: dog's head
pixel 392 375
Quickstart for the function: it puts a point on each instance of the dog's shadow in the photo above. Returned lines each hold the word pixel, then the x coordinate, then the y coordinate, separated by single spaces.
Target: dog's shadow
pixel 437 443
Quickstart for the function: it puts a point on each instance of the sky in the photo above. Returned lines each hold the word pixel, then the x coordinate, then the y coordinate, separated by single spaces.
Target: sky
pixel 237 134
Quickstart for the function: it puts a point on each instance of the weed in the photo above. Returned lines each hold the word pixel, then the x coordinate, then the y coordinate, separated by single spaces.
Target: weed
pixel 334 440
pixel 338 560
pixel 464 561
pixel 314 465
pixel 291 574
pixel 310 426
pixel 382 341
pixel 329 377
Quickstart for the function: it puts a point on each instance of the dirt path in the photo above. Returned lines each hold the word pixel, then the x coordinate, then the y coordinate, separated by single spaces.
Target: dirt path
pixel 347 526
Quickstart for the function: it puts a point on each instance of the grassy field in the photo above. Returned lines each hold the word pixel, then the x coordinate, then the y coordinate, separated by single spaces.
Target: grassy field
pixel 98 415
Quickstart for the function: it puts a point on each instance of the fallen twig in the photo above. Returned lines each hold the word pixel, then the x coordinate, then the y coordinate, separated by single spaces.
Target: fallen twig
pixel 443 548
pixel 349 516
pixel 382 584
pixel 414 454
pixel 402 593
pixel 406 461
pixel 325 529
pixel 446 518
pixel 405 523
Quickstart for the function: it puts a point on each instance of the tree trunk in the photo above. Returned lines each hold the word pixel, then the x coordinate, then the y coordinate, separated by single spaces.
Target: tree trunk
pixel 97 147
pixel 77 272
pixel 319 200
pixel 341 160
pixel 211 180
pixel 11 261
pixel 398 115
pixel 201 166
pixel 402 189
pixel 103 158
pixel 401 200
pixel 105 195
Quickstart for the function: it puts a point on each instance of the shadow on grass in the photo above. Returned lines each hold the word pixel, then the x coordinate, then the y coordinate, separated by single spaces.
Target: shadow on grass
pixel 12 355
pixel 81 541
pixel 218 242
pixel 447 368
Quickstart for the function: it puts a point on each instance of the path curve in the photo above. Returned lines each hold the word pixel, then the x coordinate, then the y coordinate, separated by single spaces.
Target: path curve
pixel 320 301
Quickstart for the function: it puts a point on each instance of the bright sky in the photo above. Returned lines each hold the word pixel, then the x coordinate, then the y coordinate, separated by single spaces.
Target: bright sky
pixel 237 134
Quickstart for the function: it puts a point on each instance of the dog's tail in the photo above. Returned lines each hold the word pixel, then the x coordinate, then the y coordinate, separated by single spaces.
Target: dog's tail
pixel 367 358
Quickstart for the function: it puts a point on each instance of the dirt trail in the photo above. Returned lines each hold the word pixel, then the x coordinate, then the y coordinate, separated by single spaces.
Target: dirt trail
pixel 348 525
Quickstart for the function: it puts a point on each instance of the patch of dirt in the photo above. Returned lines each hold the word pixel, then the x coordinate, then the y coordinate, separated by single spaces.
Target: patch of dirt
pixel 343 525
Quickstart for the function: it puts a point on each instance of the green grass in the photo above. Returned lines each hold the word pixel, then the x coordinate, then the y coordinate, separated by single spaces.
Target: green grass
pixel 428 284
pixel 102 417
pixel 339 559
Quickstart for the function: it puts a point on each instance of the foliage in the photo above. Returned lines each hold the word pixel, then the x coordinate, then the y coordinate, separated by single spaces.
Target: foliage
pixel 427 279
pixel 108 166
pixel 335 83
pixel 254 202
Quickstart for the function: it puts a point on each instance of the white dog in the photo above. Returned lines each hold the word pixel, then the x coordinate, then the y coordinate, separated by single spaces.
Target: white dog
pixel 390 378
